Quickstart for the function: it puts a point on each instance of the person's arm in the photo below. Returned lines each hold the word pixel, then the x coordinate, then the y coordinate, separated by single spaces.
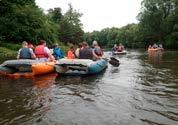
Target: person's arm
pixel 77 52
pixel 102 51
pixel 94 54
pixel 18 54
pixel 51 57
pixel 33 56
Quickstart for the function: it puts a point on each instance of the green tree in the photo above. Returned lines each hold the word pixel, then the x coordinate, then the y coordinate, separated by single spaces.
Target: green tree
pixel 71 27
pixel 55 15
pixel 23 20
pixel 156 19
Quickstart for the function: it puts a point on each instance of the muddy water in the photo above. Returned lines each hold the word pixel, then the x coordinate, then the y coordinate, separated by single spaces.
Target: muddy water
pixel 143 90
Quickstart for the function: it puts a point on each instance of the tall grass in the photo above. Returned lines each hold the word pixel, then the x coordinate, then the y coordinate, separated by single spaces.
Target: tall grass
pixel 11 46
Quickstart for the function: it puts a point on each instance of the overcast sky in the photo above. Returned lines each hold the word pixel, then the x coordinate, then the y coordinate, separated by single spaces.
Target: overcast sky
pixel 99 14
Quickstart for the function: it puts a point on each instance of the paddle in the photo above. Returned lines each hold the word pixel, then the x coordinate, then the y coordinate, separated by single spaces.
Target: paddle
pixel 113 61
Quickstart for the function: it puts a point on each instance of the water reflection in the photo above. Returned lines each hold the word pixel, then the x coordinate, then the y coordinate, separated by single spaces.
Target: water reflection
pixel 81 86
pixel 160 92
pixel 44 81
pixel 114 70
pixel 155 57
pixel 25 99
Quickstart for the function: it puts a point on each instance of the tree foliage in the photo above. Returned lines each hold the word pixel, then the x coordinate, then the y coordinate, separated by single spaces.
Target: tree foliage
pixel 68 25
pixel 110 36
pixel 158 23
pixel 23 20
pixel 71 27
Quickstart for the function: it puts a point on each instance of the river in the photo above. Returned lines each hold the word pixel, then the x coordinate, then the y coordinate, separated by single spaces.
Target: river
pixel 143 90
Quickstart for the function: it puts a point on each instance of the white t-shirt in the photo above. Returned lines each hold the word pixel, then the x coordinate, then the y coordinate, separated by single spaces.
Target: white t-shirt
pixel 77 51
pixel 46 50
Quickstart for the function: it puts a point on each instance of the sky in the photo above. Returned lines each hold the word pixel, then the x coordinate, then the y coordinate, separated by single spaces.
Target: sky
pixel 98 14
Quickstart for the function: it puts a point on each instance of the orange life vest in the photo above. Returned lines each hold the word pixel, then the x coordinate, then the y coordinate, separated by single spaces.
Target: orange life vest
pixel 40 53
pixel 70 55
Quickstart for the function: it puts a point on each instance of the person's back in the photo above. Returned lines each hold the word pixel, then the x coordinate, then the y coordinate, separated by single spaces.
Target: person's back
pixel 42 52
pixel 97 51
pixel 25 52
pixel 39 51
pixel 57 52
pixel 85 53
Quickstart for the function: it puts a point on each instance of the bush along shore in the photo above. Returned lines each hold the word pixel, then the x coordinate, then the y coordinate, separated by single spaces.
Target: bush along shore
pixel 8 50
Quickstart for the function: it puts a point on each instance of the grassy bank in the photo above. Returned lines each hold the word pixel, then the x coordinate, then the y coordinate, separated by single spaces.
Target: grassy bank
pixel 8 51
pixel 6 54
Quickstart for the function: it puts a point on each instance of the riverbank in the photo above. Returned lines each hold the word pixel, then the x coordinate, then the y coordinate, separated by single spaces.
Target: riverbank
pixel 8 51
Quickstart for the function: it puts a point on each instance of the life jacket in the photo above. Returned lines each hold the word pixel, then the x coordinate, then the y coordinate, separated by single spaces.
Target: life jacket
pixel 70 55
pixel 40 53
pixel 85 53
pixel 25 53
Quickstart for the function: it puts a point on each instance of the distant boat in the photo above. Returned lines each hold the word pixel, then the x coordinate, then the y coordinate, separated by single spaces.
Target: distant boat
pixel 155 50
pixel 80 66
pixel 120 53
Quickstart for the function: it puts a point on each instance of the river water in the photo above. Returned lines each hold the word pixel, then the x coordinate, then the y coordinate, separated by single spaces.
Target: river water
pixel 143 90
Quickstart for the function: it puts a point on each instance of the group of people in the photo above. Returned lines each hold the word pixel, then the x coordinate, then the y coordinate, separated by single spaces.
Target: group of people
pixel 119 48
pixel 155 46
pixel 42 52
pixel 85 52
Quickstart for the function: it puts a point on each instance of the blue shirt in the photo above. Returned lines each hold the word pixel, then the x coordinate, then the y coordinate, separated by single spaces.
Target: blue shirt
pixel 58 54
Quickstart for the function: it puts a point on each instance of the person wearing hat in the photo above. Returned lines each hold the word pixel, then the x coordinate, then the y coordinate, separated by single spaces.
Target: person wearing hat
pixel 85 52
pixel 25 52
pixel 57 52
pixel 43 53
